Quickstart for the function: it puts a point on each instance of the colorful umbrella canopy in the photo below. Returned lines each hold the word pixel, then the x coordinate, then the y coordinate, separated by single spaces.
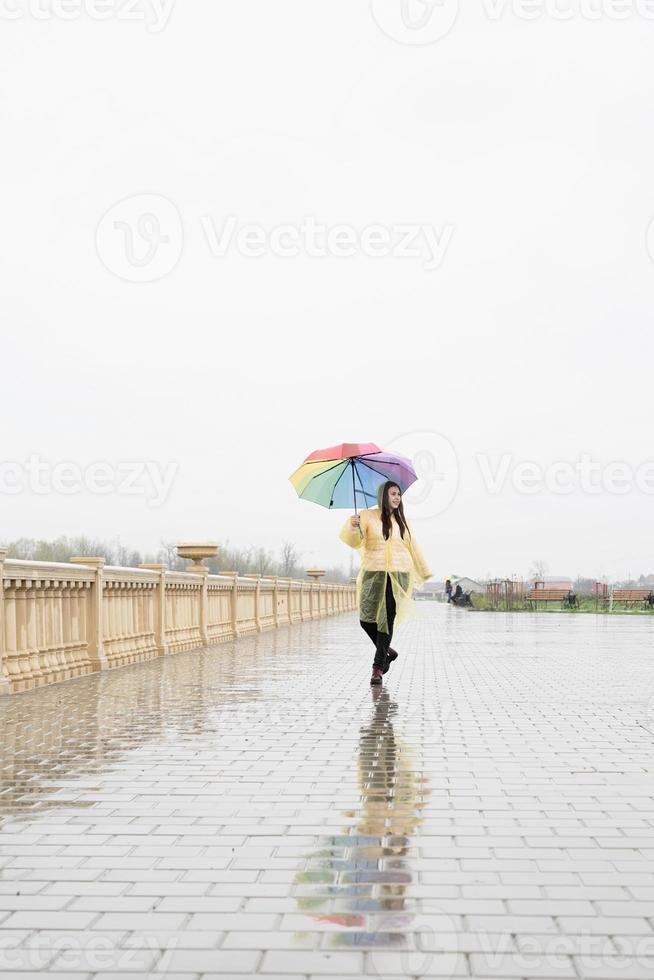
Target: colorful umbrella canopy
pixel 349 475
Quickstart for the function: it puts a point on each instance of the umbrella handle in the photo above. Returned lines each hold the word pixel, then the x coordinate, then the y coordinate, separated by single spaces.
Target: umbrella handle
pixel 354 497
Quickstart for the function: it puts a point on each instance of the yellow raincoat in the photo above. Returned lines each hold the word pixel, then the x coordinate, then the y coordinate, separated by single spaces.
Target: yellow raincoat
pixel 397 557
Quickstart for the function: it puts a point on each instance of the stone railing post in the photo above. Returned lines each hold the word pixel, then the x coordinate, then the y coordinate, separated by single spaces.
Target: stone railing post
pixel 257 611
pixel 273 578
pixel 159 608
pixel 235 606
pixel 284 585
pixel 315 574
pixel 95 621
pixel 5 687
pixel 204 606
pixel 234 603
pixel 257 606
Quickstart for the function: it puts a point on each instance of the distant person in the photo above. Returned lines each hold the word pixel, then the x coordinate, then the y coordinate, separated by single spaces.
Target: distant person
pixel 458 592
pixel 391 566
pixel 448 589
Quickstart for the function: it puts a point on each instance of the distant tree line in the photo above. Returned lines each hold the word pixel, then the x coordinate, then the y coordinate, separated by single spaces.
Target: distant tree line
pixel 248 560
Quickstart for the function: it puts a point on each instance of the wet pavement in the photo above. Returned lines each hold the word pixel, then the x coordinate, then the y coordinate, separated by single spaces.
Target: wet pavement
pixel 257 808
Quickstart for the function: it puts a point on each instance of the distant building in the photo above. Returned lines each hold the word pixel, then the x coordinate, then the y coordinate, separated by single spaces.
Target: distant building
pixel 430 590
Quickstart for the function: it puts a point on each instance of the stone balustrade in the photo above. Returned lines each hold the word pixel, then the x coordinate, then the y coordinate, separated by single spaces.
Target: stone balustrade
pixel 59 621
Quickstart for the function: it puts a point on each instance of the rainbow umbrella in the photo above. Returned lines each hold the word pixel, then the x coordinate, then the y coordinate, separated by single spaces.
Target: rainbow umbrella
pixel 349 475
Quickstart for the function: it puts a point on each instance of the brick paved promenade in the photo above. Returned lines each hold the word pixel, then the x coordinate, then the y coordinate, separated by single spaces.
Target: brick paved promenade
pixel 258 808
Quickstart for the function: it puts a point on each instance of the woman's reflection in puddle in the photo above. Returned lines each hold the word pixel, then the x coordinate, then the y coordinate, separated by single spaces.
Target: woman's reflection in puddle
pixel 361 878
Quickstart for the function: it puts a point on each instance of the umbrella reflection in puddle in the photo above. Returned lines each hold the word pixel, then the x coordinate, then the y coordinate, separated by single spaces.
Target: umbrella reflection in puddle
pixel 359 880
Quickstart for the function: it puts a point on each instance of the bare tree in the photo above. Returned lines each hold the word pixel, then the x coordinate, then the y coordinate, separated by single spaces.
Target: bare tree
pixel 263 562
pixel 539 570
pixel 289 559
pixel 168 556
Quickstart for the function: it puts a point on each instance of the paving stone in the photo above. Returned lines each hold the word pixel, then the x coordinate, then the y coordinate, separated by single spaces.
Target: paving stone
pixel 49 920
pixel 317 963
pixel 141 920
pixel 614 968
pixel 381 963
pixel 522 965
pixel 173 939
pixel 12 974
pixel 227 921
pixel 209 961
pixel 153 974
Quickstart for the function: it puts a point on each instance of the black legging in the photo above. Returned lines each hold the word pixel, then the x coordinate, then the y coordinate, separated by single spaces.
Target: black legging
pixel 381 640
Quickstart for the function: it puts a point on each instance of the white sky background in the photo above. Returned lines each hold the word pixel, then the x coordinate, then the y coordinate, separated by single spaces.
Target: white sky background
pixel 533 140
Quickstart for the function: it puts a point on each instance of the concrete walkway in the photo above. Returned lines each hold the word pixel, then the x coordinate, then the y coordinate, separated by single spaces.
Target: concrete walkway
pixel 257 808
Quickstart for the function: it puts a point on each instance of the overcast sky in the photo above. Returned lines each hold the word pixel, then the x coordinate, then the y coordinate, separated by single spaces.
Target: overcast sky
pixel 233 233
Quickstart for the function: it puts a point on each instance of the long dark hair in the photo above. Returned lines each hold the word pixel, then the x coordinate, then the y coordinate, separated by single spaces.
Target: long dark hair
pixel 387 512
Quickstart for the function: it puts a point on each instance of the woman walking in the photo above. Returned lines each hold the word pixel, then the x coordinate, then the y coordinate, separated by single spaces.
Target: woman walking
pixel 392 565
